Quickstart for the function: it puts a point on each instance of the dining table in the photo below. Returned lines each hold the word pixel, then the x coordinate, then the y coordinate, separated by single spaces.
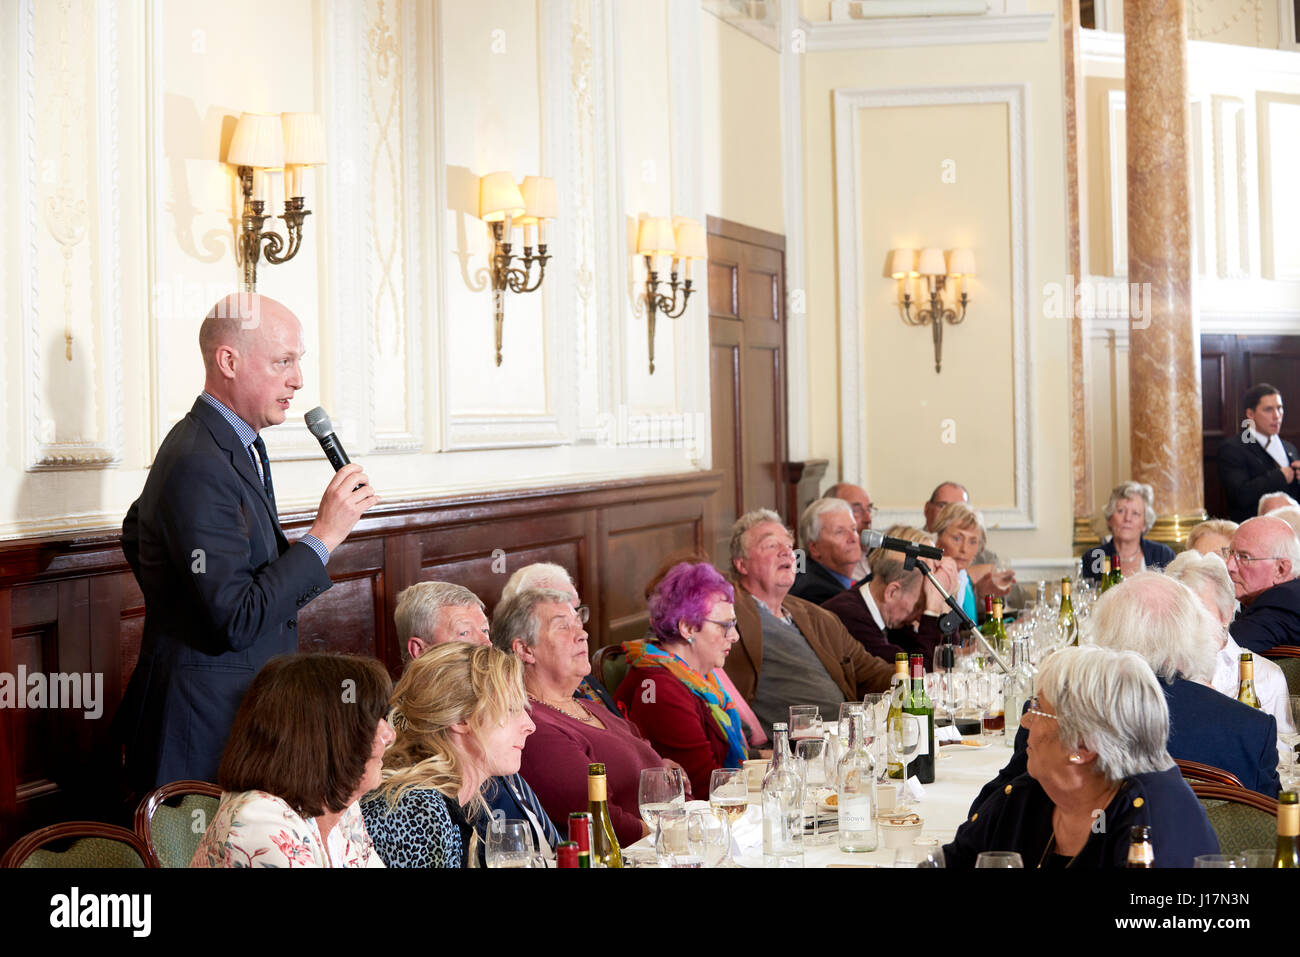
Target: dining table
pixel 961 770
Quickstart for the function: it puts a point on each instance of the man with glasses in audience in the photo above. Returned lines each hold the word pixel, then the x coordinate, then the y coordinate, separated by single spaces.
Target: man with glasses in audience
pixel 1262 563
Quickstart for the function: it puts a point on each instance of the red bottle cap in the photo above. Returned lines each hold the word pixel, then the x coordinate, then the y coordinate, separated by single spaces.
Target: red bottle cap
pixel 566 854
pixel 580 830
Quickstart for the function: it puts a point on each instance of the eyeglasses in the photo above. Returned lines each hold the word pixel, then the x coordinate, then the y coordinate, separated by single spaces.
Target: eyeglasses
pixel 1240 557
pixel 727 626
pixel 583 612
pixel 1034 710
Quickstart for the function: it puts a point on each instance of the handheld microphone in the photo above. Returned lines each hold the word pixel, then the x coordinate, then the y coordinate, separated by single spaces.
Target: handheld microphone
pixel 872 539
pixel 319 424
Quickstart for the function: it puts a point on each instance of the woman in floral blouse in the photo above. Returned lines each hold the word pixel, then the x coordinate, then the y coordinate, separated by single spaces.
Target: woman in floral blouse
pixel 307 743
pixel 461 719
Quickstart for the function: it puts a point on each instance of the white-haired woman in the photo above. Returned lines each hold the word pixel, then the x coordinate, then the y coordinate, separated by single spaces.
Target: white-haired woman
pixel 1214 536
pixel 1207 577
pixel 1130 513
pixel 1096 752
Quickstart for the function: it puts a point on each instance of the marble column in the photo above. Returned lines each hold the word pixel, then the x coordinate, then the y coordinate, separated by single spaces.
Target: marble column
pixel 1164 354
pixel 1085 504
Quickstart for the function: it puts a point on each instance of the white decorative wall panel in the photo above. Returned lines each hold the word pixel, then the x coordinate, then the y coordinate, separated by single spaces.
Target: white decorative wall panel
pixel 69 203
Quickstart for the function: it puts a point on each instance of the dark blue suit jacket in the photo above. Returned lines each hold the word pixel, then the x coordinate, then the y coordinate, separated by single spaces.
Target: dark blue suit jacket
pixel 816 583
pixel 1246 472
pixel 1273 618
pixel 1204 726
pixel 1155 554
pixel 222 589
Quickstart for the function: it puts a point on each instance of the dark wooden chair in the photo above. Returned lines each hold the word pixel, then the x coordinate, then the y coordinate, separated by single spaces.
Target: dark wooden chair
pixel 610 665
pixel 79 844
pixel 1242 819
pixel 1207 773
pixel 1287 657
pixel 171 820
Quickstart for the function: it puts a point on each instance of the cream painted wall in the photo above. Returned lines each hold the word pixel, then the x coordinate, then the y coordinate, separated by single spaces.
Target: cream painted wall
pixel 416 98
pixel 1244 117
pixel 916 414
pixel 979 344
pixel 741 99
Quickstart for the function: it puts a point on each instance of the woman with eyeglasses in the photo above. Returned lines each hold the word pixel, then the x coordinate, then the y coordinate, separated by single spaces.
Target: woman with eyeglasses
pixel 1097 767
pixel 672 692
pixel 542 629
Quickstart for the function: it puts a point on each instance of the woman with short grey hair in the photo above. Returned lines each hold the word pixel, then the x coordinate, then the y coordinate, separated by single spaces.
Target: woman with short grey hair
pixel 1130 514
pixel 1097 768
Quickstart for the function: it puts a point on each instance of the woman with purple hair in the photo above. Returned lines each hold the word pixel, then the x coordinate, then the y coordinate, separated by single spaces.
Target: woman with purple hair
pixel 671 692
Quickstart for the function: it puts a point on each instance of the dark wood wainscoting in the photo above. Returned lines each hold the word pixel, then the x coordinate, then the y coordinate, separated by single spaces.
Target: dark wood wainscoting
pixel 71 604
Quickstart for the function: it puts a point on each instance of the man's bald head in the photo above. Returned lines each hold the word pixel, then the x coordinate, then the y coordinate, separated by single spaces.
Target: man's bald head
pixel 251 349
pixel 231 320
pixel 1265 552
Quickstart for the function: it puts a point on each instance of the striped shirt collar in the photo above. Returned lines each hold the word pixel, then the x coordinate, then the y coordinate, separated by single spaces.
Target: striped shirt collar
pixel 247 434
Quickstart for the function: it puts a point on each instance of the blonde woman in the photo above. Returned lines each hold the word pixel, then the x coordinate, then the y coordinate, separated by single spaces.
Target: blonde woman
pixel 460 715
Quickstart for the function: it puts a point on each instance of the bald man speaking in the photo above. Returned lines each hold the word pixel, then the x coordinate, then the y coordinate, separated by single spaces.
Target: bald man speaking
pixel 222 586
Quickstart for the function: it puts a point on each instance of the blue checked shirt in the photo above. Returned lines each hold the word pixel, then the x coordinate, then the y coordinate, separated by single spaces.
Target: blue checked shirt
pixel 247 436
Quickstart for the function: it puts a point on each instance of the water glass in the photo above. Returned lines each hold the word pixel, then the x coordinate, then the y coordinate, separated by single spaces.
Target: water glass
pixel 708 837
pixel 510 844
pixel 1261 857
pixel 671 845
pixel 1219 860
pixel 805 722
pixel 813 758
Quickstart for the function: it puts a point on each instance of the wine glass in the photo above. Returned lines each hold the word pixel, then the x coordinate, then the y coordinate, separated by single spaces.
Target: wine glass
pixel 510 844
pixel 904 738
pixel 1292 738
pixel 660 788
pixel 990 859
pixel 729 792
pixel 927 853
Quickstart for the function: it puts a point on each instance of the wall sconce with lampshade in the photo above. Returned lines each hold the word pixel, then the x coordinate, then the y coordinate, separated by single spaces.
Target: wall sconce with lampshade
pixel 503 205
pixel 928 269
pixel 677 239
pixel 265 143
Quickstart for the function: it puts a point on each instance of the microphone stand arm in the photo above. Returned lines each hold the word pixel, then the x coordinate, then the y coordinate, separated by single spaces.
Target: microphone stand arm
pixel 956 619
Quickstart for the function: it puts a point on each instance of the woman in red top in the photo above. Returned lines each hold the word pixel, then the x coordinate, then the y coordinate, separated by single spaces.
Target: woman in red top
pixel 671 692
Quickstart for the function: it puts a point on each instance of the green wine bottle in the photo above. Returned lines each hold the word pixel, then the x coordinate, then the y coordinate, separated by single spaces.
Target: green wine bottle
pixel 919 705
pixel 1104 582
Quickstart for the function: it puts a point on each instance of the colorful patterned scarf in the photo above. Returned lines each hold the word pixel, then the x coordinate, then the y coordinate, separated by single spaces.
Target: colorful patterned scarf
pixel 646 654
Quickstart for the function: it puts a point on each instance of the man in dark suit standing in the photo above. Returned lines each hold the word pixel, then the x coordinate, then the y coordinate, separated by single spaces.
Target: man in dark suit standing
pixel 1258 460
pixel 222 586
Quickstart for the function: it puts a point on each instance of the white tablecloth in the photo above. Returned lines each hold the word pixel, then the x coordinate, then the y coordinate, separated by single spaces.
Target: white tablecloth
pixel 959 775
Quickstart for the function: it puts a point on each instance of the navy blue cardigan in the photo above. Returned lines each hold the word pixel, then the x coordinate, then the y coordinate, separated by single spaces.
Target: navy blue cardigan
pixel 1155 554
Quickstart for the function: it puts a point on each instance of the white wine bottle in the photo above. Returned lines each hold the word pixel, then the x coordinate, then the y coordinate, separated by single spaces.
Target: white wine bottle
pixel 1288 830
pixel 897 692
pixel 1246 690
pixel 1066 626
pixel 604 845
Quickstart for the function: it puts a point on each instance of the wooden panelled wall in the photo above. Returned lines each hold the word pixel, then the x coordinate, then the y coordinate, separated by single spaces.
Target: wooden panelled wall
pixel 72 604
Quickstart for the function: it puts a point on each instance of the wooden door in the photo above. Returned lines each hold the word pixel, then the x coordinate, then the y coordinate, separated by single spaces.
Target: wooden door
pixel 747 377
pixel 1229 366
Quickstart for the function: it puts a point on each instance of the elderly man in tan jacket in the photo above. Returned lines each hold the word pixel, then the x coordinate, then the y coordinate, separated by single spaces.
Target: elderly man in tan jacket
pixel 790 651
